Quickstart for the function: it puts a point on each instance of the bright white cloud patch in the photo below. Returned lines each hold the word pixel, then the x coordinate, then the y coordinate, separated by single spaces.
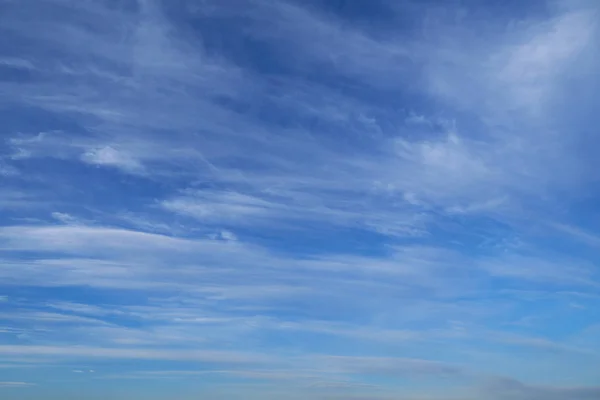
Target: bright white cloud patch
pixel 108 156
pixel 290 200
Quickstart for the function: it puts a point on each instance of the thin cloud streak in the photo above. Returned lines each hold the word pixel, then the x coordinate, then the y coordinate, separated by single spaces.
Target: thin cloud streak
pixel 301 199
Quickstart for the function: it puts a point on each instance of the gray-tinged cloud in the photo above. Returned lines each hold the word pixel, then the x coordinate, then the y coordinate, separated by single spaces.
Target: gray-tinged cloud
pixel 509 389
pixel 389 366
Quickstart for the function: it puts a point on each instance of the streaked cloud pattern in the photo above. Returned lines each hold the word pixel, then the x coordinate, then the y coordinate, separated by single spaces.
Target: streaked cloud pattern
pixel 285 199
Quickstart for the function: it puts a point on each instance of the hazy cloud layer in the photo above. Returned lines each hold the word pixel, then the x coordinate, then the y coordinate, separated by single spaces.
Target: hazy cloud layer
pixel 281 199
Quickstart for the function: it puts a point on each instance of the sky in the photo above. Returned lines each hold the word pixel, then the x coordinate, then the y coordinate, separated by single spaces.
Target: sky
pixel 299 199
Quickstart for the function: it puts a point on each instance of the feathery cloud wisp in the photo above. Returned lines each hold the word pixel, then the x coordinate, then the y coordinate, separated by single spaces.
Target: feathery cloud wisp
pixel 352 200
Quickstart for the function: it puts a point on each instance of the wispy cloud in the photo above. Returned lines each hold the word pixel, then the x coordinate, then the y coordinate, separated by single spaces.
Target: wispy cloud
pixel 512 389
pixel 330 197
pixel 70 352
pixel 15 384
pixel 389 366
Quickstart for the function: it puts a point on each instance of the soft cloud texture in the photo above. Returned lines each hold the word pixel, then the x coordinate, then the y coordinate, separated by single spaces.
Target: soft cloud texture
pixel 285 199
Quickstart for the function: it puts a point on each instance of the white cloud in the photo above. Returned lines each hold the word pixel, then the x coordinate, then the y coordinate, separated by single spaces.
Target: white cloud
pixel 220 206
pixel 17 63
pixel 450 172
pixel 531 68
pixel 228 172
pixel 85 239
pixel 577 233
pixel 389 366
pixel 108 156
pixel 15 384
pixel 78 352
pixel 64 217
pixel 444 172
pixel 563 271
pixel 51 318
pixel 284 208
pixel 227 235
pixel 8 170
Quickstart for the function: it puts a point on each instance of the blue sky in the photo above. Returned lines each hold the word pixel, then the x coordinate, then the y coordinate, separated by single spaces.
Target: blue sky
pixel 299 199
